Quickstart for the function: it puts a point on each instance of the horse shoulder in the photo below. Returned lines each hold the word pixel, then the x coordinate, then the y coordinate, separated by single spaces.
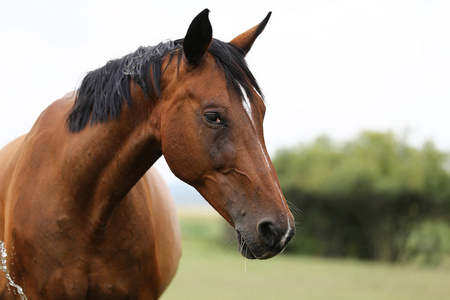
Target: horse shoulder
pixel 8 159
pixel 8 156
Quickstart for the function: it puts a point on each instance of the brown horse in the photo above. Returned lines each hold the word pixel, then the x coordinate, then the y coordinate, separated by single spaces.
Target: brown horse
pixel 80 214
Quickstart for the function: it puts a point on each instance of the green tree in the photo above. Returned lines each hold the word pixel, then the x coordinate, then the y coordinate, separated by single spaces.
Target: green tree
pixel 361 198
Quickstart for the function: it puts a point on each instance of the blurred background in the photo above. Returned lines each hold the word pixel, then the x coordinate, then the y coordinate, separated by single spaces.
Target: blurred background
pixel 357 96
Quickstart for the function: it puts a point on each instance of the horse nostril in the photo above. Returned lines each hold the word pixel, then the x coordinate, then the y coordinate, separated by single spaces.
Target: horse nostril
pixel 267 232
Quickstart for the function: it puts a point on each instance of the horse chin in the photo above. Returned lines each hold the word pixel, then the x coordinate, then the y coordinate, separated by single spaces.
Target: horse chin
pixel 247 251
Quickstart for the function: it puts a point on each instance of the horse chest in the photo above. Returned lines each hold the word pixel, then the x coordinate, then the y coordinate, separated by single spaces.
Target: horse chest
pixel 98 280
pixel 125 278
pixel 68 268
pixel 61 257
pixel 112 288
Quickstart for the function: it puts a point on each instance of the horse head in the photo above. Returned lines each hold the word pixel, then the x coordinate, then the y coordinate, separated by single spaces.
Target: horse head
pixel 211 133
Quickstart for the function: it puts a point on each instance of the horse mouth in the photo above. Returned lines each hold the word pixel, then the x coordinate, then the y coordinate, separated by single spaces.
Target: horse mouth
pixel 244 249
pixel 253 251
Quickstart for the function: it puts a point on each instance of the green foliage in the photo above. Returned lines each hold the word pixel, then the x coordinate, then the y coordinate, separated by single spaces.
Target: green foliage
pixel 361 198
pixel 429 244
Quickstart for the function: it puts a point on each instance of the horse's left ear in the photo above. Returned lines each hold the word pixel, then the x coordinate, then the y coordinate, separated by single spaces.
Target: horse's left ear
pixel 198 38
pixel 246 39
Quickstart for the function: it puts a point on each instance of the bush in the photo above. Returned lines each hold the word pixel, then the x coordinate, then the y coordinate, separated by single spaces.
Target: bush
pixel 428 243
pixel 362 198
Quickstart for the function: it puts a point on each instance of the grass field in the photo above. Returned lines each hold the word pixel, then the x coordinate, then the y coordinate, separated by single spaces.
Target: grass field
pixel 212 268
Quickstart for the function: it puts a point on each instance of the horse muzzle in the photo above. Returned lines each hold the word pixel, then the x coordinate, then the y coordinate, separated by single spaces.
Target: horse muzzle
pixel 269 240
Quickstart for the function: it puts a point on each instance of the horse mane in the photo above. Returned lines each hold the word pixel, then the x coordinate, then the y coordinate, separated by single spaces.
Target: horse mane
pixel 104 91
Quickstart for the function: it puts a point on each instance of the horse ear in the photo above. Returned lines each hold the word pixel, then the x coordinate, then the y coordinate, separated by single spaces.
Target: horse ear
pixel 246 39
pixel 198 38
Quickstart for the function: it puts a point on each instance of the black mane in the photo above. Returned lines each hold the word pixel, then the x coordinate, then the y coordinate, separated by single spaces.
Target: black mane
pixel 104 91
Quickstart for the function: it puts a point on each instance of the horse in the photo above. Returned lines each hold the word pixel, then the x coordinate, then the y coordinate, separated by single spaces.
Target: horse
pixel 84 215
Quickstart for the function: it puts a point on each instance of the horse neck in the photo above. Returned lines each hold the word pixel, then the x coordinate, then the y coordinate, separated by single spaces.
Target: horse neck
pixel 106 160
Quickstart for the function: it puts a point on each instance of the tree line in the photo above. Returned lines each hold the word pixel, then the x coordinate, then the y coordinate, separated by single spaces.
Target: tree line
pixel 363 198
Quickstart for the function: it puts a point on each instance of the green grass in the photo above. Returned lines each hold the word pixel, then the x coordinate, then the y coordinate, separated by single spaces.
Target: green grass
pixel 212 268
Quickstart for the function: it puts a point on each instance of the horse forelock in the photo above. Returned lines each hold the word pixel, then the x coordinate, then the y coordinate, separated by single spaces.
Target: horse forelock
pixel 104 91
pixel 237 73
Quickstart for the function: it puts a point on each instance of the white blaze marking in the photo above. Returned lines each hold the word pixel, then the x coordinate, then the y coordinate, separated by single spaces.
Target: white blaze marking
pixel 247 105
pixel 248 108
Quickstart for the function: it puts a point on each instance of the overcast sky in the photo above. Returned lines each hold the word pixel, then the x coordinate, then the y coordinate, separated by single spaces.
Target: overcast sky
pixel 325 66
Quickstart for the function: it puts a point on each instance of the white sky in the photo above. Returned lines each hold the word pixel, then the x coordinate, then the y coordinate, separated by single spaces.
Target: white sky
pixel 325 66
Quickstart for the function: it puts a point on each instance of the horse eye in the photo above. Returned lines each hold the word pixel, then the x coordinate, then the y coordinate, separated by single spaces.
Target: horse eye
pixel 213 117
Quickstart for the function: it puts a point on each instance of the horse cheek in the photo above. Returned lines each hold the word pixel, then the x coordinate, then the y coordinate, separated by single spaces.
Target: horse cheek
pixel 183 152
pixel 222 154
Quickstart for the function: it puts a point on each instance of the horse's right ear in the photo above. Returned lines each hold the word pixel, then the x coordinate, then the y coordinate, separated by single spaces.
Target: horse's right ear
pixel 198 38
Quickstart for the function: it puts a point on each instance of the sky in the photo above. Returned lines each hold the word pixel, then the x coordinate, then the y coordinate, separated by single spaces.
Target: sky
pixel 333 67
